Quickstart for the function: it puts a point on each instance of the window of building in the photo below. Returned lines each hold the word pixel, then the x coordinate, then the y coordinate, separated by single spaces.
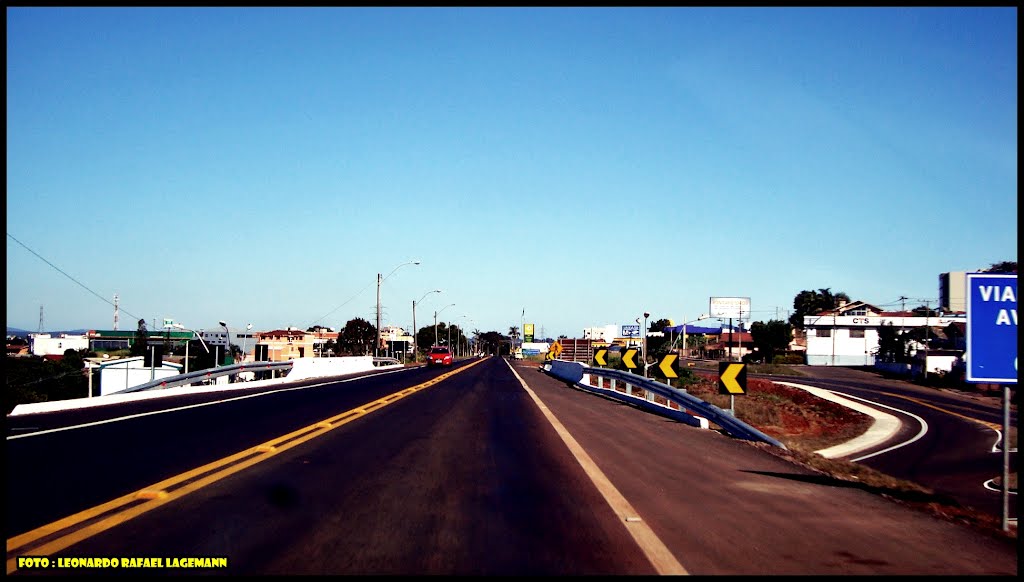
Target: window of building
pixel 824 333
pixel 859 311
pixel 856 333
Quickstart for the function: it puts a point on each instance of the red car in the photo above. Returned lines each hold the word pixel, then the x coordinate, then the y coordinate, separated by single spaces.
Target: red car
pixel 439 356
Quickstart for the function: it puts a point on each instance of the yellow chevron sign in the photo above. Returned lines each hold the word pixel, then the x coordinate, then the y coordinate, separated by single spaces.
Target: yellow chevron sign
pixel 732 378
pixel 599 356
pixel 667 365
pixel 554 351
pixel 627 358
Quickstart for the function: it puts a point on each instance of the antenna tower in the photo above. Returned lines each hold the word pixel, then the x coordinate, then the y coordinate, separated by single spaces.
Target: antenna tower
pixel 40 319
pixel 115 312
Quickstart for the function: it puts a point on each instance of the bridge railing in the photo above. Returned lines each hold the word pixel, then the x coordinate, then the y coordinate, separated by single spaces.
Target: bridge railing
pixel 639 391
pixel 330 367
pixel 208 374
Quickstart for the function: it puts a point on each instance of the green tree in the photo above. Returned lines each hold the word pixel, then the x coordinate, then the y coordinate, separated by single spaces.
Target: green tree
pixel 490 342
pixel 141 341
pixel 658 346
pixel 771 338
pixel 357 337
pixel 892 346
pixel 812 302
pixel 1002 267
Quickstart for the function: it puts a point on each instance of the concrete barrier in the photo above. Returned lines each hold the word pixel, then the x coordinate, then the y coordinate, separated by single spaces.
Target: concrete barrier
pixel 304 368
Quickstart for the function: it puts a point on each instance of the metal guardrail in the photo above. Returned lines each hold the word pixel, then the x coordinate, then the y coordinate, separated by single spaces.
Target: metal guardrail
pixel 211 373
pixel 732 425
pixel 207 374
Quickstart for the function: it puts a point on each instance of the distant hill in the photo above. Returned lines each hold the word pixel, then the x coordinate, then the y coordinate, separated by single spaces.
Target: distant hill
pixel 23 333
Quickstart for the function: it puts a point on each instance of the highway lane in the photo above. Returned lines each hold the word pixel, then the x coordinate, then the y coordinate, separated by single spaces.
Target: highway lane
pixel 475 474
pixel 464 476
pixel 947 442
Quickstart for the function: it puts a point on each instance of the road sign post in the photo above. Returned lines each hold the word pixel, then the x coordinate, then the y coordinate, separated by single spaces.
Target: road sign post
pixel 992 328
pixel 992 347
pixel 732 380
pixel 629 359
pixel 668 367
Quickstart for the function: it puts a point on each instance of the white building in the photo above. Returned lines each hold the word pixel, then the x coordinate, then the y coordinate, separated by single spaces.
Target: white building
pixel 42 344
pixel 953 291
pixel 848 335
pixel 117 375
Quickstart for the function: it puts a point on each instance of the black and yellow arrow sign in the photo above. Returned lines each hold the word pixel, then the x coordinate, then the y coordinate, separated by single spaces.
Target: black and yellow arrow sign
pixel 554 351
pixel 557 348
pixel 732 378
pixel 599 356
pixel 669 366
pixel 628 358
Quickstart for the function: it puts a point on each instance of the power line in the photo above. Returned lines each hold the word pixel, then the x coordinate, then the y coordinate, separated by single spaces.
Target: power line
pixel 321 318
pixel 58 269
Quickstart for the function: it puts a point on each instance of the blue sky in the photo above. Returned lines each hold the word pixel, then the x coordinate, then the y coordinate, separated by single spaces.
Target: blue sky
pixel 581 165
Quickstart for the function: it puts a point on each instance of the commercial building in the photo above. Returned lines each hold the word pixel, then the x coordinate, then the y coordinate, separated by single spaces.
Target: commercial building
pixel 44 344
pixel 848 335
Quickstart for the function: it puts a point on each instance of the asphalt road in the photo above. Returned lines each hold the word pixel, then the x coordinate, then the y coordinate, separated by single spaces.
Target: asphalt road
pixel 949 441
pixel 494 469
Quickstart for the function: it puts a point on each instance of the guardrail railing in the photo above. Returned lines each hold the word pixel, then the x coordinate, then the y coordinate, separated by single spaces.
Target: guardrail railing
pixel 207 374
pixel 693 409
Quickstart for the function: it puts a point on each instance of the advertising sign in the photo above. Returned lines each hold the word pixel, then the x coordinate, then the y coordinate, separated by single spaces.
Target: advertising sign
pixel 630 330
pixel 730 308
pixel 528 332
pixel 992 328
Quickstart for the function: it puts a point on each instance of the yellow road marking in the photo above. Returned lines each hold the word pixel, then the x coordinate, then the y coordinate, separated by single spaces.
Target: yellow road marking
pixel 55 536
pixel 986 424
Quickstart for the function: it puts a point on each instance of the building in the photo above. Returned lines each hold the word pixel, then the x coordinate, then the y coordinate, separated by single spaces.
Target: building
pixel 281 345
pixel 121 374
pixel 848 335
pixel 43 344
pixel 953 292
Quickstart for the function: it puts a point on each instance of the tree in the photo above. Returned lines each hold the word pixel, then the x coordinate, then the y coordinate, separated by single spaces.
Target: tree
pixel 490 342
pixel 812 302
pixel 892 346
pixel 1002 267
pixel 658 346
pixel 141 340
pixel 357 337
pixel 771 338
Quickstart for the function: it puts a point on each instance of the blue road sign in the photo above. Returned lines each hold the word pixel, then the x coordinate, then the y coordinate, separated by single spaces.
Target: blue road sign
pixel 992 328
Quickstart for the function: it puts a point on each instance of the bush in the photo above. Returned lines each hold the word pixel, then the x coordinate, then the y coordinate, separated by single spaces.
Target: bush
pixel 790 359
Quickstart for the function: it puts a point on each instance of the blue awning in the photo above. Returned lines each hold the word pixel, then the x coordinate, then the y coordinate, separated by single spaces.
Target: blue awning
pixel 692 329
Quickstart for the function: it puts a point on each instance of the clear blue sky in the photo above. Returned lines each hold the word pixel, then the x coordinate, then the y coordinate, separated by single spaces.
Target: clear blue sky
pixel 583 165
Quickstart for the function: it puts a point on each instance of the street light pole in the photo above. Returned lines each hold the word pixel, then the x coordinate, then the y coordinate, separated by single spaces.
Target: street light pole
pixel 376 348
pixel 415 347
pixel 248 329
pixel 435 320
pixel 646 315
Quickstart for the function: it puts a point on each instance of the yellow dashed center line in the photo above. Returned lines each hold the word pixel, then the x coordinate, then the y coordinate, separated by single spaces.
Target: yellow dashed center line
pixel 54 537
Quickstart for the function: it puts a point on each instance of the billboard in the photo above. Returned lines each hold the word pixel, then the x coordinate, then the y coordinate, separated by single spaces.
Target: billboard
pixel 730 307
pixel 528 332
pixel 992 328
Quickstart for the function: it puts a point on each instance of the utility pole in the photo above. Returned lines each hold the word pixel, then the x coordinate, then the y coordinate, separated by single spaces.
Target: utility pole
pixel 927 321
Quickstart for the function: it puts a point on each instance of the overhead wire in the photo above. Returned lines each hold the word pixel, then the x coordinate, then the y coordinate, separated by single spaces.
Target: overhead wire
pixel 79 283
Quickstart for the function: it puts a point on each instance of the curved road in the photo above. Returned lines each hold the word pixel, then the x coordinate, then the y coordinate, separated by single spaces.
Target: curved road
pixel 488 468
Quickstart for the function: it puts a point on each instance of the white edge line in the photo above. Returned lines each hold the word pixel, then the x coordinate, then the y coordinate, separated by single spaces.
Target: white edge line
pixel 884 426
pixel 652 546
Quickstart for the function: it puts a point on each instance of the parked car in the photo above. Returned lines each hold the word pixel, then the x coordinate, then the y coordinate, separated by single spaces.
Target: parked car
pixel 440 356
